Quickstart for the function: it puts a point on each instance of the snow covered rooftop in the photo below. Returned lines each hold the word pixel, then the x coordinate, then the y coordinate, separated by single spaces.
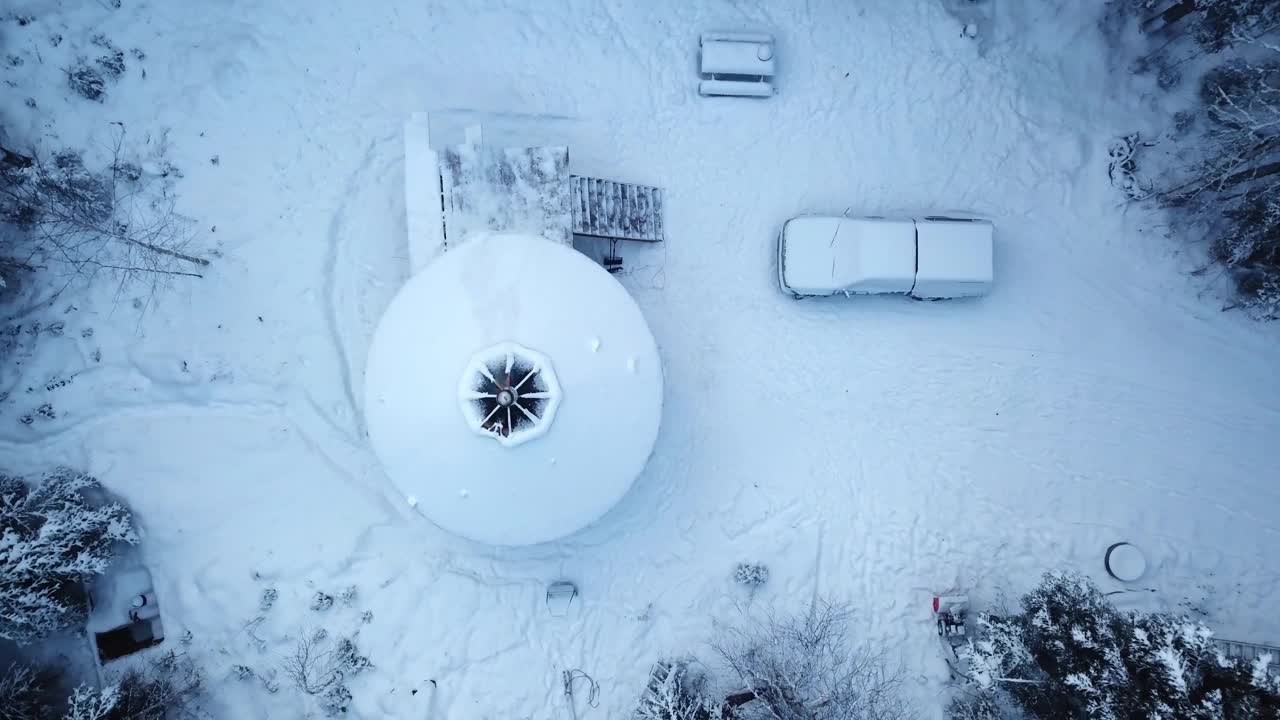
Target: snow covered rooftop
pixel 513 390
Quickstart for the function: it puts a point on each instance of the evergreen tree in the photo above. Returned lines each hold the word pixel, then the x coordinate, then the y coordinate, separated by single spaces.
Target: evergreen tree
pixel 1219 24
pixel 1070 654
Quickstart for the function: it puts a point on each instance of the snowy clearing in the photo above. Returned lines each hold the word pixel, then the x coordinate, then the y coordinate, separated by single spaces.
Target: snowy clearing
pixel 873 449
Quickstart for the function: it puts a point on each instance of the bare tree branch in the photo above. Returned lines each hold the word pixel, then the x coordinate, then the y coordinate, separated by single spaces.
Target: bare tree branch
pixel 311 666
pixel 119 219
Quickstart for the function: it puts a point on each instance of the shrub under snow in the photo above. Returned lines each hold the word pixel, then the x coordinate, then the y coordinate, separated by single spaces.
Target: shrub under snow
pixel 752 575
pixel 54 536
pixel 805 667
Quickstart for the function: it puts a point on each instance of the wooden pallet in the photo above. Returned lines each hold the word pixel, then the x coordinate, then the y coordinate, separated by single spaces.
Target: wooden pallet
pixel 615 210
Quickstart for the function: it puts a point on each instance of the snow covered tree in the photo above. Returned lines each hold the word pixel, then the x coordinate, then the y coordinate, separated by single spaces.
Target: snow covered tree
pixel 55 211
pixel 1213 25
pixel 1225 183
pixel 805 668
pixel 1217 24
pixel 27 693
pixel 89 704
pixel 1236 185
pixel 155 692
pixel 54 536
pixel 1071 654
pixel 1218 169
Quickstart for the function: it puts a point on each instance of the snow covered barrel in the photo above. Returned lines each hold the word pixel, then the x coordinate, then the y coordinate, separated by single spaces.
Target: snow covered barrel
pixel 513 390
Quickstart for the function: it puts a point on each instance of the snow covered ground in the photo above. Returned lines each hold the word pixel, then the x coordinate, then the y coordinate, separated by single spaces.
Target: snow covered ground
pixel 872 450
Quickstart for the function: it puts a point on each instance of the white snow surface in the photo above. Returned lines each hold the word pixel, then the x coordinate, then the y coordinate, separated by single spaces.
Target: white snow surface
pixel 526 290
pixel 874 452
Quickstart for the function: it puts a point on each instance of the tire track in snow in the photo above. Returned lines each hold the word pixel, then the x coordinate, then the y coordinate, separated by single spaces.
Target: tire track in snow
pixel 149 410
pixel 295 410
pixel 337 232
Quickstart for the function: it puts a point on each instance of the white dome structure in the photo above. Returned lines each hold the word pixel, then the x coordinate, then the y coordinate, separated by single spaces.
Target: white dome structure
pixel 513 390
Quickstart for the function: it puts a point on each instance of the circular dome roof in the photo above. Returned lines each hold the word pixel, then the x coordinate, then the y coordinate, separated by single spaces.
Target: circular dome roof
pixel 513 390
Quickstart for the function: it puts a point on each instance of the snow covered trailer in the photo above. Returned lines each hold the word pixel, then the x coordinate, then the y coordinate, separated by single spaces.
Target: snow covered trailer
pixel 927 258
pixel 736 64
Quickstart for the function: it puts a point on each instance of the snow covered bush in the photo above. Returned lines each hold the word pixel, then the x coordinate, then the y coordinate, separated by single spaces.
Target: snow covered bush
pixel 156 691
pixel 676 691
pixel 348 659
pixel 310 667
pixel 112 63
pixel 89 79
pixel 55 535
pixel 336 700
pixel 1070 654
pixel 316 664
pixel 86 81
pixel 752 575
pixel 805 667
pixel 27 693
pixel 982 704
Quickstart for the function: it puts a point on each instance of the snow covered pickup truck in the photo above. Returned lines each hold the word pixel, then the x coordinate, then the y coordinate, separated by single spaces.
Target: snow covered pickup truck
pixel 927 258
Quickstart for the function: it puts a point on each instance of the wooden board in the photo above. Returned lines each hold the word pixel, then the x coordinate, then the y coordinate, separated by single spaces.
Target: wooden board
pixel 609 209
